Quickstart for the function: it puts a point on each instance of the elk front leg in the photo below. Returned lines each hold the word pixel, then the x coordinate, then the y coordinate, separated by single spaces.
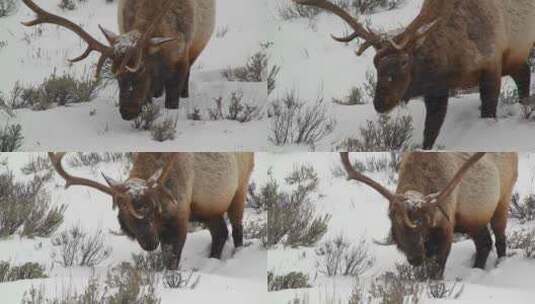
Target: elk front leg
pixel 174 85
pixel 173 243
pixel 438 249
pixel 483 243
pixel 436 106
pixel 489 88
pixel 219 231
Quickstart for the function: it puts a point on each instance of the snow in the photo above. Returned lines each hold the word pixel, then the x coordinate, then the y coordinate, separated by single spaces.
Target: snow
pixel 312 65
pixel 239 277
pixel 358 212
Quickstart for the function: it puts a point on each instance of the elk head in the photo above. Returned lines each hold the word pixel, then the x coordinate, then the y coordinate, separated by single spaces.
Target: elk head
pixel 395 57
pixel 130 53
pixel 413 214
pixel 142 203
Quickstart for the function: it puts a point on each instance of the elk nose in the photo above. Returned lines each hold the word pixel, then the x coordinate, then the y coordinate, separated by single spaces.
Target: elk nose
pixel 129 113
pixel 379 106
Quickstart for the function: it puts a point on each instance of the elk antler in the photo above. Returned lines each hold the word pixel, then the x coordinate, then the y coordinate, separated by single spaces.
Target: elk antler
pixel 371 38
pixel 355 175
pixel 92 44
pixel 70 180
pixel 458 177
pixel 144 41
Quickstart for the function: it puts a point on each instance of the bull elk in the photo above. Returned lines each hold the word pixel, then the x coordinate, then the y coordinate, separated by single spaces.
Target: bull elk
pixel 164 191
pixel 159 42
pixel 442 193
pixel 451 44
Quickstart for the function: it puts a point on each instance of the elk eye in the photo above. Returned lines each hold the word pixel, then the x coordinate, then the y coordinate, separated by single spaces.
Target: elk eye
pixel 390 78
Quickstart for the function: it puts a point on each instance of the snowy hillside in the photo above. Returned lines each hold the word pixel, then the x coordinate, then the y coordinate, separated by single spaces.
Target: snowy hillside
pixel 359 213
pixel 311 65
pixel 239 277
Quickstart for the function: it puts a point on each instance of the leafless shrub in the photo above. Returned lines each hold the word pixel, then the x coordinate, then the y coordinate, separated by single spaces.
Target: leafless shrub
pixel 257 69
pixel 238 109
pixel 145 120
pixel 355 97
pixel 78 247
pixel 55 90
pixel 165 130
pixel 338 257
pixel 523 240
pixel 294 123
pixel 25 208
pixel 123 284
pixel 385 134
pixel 291 280
pixel 11 138
pixel 149 262
pixel 181 279
pixel 444 290
pixel 91 159
pixel 523 212
pixel 7 7
pixel 394 288
pixel 27 271
pixel 291 215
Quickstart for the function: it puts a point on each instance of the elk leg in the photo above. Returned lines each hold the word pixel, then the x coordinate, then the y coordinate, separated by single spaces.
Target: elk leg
pixel 498 224
pixel 489 88
pixel 438 249
pixel 522 78
pixel 175 84
pixel 185 88
pixel 173 243
pixel 483 243
pixel 235 215
pixel 219 231
pixel 436 108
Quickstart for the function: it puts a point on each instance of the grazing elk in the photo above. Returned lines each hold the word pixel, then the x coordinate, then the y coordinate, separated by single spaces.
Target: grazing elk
pixel 164 191
pixel 159 42
pixel 452 44
pixel 442 193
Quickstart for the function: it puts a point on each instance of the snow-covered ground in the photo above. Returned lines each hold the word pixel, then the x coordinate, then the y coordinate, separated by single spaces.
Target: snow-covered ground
pixel 311 63
pixel 358 212
pixel 239 277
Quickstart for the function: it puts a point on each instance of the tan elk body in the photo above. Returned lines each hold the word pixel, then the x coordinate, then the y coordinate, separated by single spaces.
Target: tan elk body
pixel 164 191
pixel 439 194
pixel 451 44
pixel 159 42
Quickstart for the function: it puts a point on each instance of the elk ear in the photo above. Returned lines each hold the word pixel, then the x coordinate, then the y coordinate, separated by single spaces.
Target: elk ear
pixel 110 36
pixel 422 33
pixel 156 43
pixel 153 180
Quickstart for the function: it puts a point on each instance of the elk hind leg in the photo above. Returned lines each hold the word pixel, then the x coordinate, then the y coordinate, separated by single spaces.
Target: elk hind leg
pixel 489 88
pixel 235 214
pixel 483 243
pixel 522 78
pixel 498 224
pixel 436 107
pixel 219 231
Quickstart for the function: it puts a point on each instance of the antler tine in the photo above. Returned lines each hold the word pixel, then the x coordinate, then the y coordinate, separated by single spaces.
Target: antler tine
pixel 458 177
pixel 46 17
pixel 354 174
pixel 167 169
pixel 374 39
pixel 70 180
